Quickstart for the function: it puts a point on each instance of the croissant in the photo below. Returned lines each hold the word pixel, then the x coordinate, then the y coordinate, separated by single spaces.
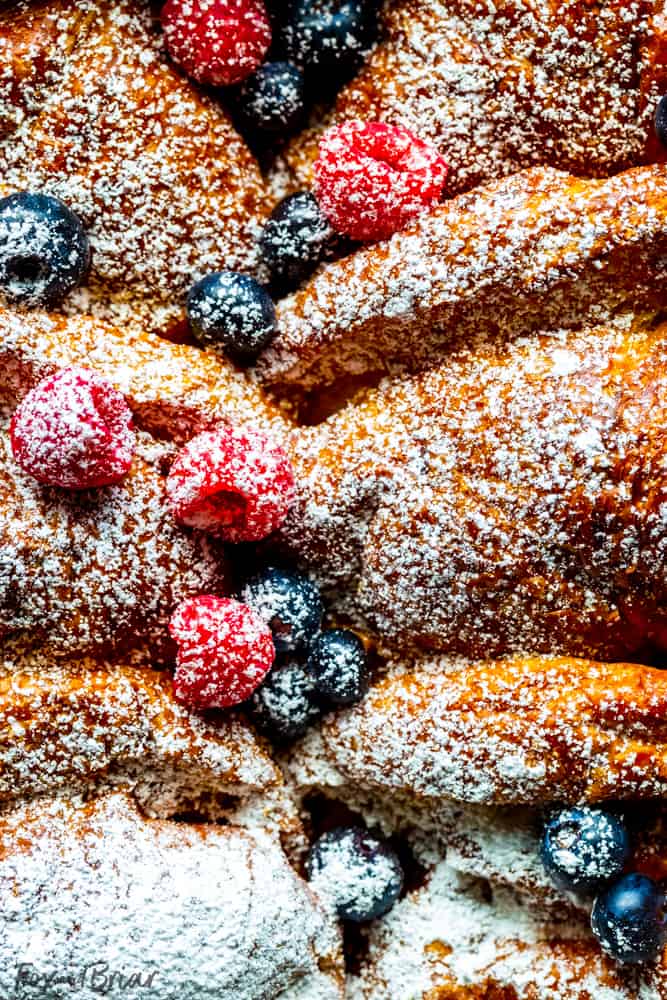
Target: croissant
pixel 497 87
pixel 523 731
pixel 174 390
pixel 100 571
pixel 197 911
pixel 137 735
pixel 510 500
pixel 538 250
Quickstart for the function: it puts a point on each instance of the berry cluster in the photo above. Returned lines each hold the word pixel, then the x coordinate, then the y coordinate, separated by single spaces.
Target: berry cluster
pixel 586 850
pixel 318 669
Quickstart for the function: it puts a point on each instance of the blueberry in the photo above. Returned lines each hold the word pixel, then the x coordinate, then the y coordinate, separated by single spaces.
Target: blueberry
pixel 231 313
pixel 44 249
pixel 291 605
pixel 295 238
pixel 271 101
pixel 359 873
pixel 328 39
pixel 661 120
pixel 583 848
pixel 338 666
pixel 628 919
pixel 286 703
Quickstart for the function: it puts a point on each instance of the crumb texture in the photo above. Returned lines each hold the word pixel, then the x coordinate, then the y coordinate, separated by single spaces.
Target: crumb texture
pixel 510 500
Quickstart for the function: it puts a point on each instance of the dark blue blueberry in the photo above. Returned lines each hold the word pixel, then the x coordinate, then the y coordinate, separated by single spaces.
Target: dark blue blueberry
pixel 359 873
pixel 339 667
pixel 628 919
pixel 295 238
pixel 271 101
pixel 44 249
pixel 328 39
pixel 290 604
pixel 232 314
pixel 661 120
pixel 286 703
pixel 584 848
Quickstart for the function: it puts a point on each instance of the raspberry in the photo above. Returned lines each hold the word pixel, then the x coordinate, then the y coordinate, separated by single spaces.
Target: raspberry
pixel 73 430
pixel 372 178
pixel 224 651
pixel 217 42
pixel 233 482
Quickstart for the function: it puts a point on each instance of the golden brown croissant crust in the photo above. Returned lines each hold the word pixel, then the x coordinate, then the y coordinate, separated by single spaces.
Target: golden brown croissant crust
pixel 519 731
pixel 101 570
pixel 538 250
pixel 512 499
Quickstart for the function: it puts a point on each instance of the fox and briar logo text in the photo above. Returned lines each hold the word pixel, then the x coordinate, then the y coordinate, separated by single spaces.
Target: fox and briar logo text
pixel 97 977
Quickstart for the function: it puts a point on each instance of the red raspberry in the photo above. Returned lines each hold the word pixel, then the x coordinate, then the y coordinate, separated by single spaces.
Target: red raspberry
pixel 73 430
pixel 224 651
pixel 217 42
pixel 233 482
pixel 372 178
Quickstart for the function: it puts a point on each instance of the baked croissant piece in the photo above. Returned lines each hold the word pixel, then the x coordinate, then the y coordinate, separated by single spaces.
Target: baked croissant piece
pixel 197 911
pixel 538 250
pixel 97 571
pixel 173 390
pixel 91 111
pixel 526 731
pixel 80 727
pixel 512 499
pixel 500 86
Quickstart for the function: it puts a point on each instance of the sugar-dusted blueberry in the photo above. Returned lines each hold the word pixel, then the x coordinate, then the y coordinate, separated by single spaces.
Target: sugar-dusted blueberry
pixel 232 314
pixel 339 666
pixel 583 848
pixel 628 919
pixel 291 605
pixel 271 101
pixel 44 249
pixel 286 704
pixel 328 38
pixel 295 238
pixel 359 873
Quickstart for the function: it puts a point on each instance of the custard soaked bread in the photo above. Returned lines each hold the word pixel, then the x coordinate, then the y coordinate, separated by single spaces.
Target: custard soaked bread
pixel 541 249
pixel 217 585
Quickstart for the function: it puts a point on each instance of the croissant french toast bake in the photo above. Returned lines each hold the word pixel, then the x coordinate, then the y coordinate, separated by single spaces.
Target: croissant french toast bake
pixel 333 500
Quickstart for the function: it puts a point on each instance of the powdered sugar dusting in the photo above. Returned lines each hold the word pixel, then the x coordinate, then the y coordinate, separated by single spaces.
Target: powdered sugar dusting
pixel 541 249
pixel 100 570
pixel 93 114
pixel 497 87
pixel 210 912
pixel 494 504
pixel 455 933
pixel 522 731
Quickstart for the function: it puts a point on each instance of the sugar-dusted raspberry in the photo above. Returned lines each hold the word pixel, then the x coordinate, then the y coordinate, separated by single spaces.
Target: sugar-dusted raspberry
pixel 73 430
pixel 224 651
pixel 372 178
pixel 232 481
pixel 217 42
